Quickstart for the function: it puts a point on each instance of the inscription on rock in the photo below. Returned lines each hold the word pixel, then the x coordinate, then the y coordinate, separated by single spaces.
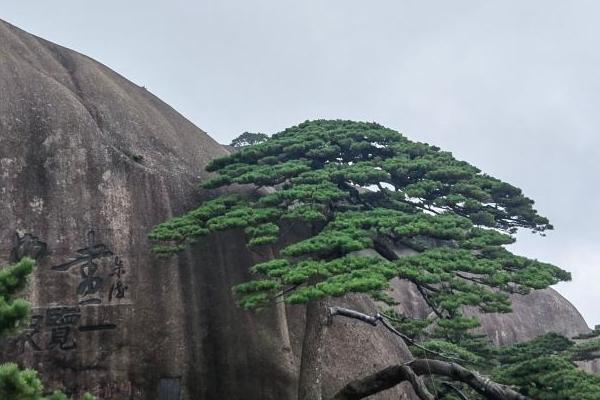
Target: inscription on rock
pixel 27 245
pixel 100 281
pixel 94 280
pixel 55 328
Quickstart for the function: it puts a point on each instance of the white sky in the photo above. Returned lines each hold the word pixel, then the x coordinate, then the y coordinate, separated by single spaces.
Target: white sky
pixel 511 86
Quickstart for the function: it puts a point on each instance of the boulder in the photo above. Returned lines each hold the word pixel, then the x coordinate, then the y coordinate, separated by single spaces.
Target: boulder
pixel 89 163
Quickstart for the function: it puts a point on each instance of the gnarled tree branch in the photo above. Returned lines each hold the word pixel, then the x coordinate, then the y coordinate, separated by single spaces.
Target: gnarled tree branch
pixel 382 380
pixel 396 374
pixel 410 371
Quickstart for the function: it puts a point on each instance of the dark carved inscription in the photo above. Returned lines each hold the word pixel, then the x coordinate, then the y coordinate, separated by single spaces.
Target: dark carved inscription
pixel 56 329
pixel 118 288
pixel 101 327
pixel 29 336
pixel 27 245
pixel 91 281
pixel 61 321
pixel 117 390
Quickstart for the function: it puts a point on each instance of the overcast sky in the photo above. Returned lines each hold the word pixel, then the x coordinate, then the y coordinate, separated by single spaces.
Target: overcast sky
pixel 511 86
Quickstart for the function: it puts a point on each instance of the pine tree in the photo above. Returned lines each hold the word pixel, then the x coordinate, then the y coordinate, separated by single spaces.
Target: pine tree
pixel 544 368
pixel 368 194
pixel 248 139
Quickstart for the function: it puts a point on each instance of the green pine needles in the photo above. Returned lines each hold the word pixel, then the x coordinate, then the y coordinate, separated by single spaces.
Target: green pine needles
pixel 542 368
pixel 373 205
pixel 248 139
pixel 362 186
pixel 13 310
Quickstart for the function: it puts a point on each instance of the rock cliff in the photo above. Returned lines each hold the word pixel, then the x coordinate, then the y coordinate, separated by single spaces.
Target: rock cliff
pixel 89 163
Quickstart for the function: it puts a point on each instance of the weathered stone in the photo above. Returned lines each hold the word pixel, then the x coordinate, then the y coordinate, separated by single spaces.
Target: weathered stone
pixel 84 150
pixel 592 366
pixel 540 312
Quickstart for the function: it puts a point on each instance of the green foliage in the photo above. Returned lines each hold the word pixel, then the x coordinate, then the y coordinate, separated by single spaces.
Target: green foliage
pixel 362 186
pixel 378 206
pixel 547 345
pixel 412 327
pixel 248 139
pixel 13 279
pixel 586 350
pixel 24 384
pixel 19 384
pixel 449 349
pixel 542 368
pixel 367 153
pixel 551 378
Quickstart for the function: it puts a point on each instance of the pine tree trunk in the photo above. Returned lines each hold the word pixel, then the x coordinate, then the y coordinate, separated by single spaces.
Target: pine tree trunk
pixel 309 384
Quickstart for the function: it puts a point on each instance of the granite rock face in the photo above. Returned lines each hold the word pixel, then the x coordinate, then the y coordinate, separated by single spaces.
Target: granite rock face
pixel 540 312
pixel 89 163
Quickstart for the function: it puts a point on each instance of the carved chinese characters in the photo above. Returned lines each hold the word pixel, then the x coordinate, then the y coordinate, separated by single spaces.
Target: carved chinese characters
pixel 55 328
pixel 92 279
pixel 96 276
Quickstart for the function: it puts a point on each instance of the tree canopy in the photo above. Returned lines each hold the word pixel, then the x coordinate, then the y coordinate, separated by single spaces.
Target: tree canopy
pixel 365 186
pixel 369 194
pixel 249 139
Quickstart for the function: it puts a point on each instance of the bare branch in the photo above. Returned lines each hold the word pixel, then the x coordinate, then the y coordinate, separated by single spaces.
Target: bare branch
pixel 474 279
pixel 426 298
pixel 345 312
pixel 372 320
pixel 482 385
pixel 394 375
pixel 382 380
pixel 384 246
